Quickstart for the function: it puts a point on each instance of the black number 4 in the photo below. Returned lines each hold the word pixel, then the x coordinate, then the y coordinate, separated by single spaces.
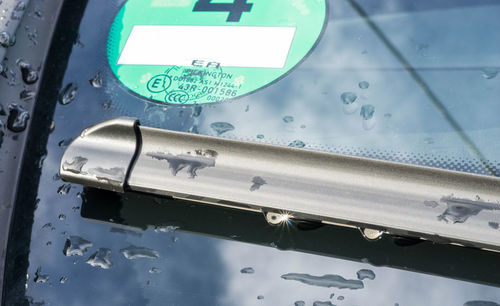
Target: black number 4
pixel 235 9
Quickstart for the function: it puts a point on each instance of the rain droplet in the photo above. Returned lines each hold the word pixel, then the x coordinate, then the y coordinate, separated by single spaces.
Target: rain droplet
pixel 364 85
pixel 260 297
pixel 2 111
pixel 39 277
pixel 303 126
pixel 340 298
pixel 154 270
pixel 288 119
pixel 197 111
pixel 101 258
pixel 18 118
pixel 329 280
pixel 26 95
pixel 431 204
pixel 260 136
pixel 4 39
pixel 76 245
pixel 47 225
pixel 297 144
pixel 64 189
pixel 489 73
pixel 247 270
pixel 367 111
pixel 29 75
pixel 68 94
pixel 387 116
pixel 493 225
pixel 348 97
pixel 134 252
pixel 166 229
pixel 221 127
pixel 65 142
pixel 75 165
pixel 62 217
pixel 63 280
pixel 365 273
pixel 319 303
pixel 96 81
pixel 300 303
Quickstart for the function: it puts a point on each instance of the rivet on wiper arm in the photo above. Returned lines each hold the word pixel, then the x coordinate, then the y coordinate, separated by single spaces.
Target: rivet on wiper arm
pixel 278 218
pixel 371 234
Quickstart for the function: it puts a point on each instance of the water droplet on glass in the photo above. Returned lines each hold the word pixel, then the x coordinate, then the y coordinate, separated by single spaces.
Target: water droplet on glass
pixel 166 229
pixel 26 95
pixel 18 118
pixel 29 75
pixel 247 108
pixel 154 270
pixel 297 144
pixel 221 127
pixel 247 270
pixel 2 111
pixel 364 85
pixel 260 297
pixel 64 189
pixel 349 104
pixel 320 303
pixel 367 113
pixel 348 97
pixel 197 111
pixel 288 119
pixel 76 246
pixel 75 208
pixel 62 217
pixel 260 136
pixel 101 258
pixel 47 225
pixel 4 39
pixel 489 73
pixel 134 252
pixel 63 280
pixel 431 204
pixel 39 277
pixel 48 243
pixel 68 94
pixel 96 81
pixel 387 116
pixel 365 273
pixel 299 303
pixel 332 295
pixel 340 298
pixel 303 126
pixel 65 142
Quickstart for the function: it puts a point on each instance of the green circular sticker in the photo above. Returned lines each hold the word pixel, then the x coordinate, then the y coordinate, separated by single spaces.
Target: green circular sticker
pixel 205 51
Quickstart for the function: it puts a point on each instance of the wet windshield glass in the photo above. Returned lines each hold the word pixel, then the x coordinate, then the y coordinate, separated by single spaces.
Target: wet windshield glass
pixel 412 82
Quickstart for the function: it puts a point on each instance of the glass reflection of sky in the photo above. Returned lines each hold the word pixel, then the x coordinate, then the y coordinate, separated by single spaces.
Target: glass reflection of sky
pixel 448 47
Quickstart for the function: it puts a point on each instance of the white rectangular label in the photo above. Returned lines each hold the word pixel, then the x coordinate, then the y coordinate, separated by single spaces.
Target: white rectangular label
pixel 231 46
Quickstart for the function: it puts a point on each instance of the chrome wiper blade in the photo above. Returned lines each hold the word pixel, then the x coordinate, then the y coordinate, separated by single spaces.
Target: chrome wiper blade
pixel 439 205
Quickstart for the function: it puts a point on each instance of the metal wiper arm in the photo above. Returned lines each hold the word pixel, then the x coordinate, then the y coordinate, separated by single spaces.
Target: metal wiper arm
pixel 440 205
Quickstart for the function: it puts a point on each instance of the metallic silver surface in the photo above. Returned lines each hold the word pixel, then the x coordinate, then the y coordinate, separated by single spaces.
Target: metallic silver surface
pixel 101 155
pixel 444 206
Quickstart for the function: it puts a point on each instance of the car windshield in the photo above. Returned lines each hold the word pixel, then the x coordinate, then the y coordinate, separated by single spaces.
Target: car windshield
pixel 405 81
